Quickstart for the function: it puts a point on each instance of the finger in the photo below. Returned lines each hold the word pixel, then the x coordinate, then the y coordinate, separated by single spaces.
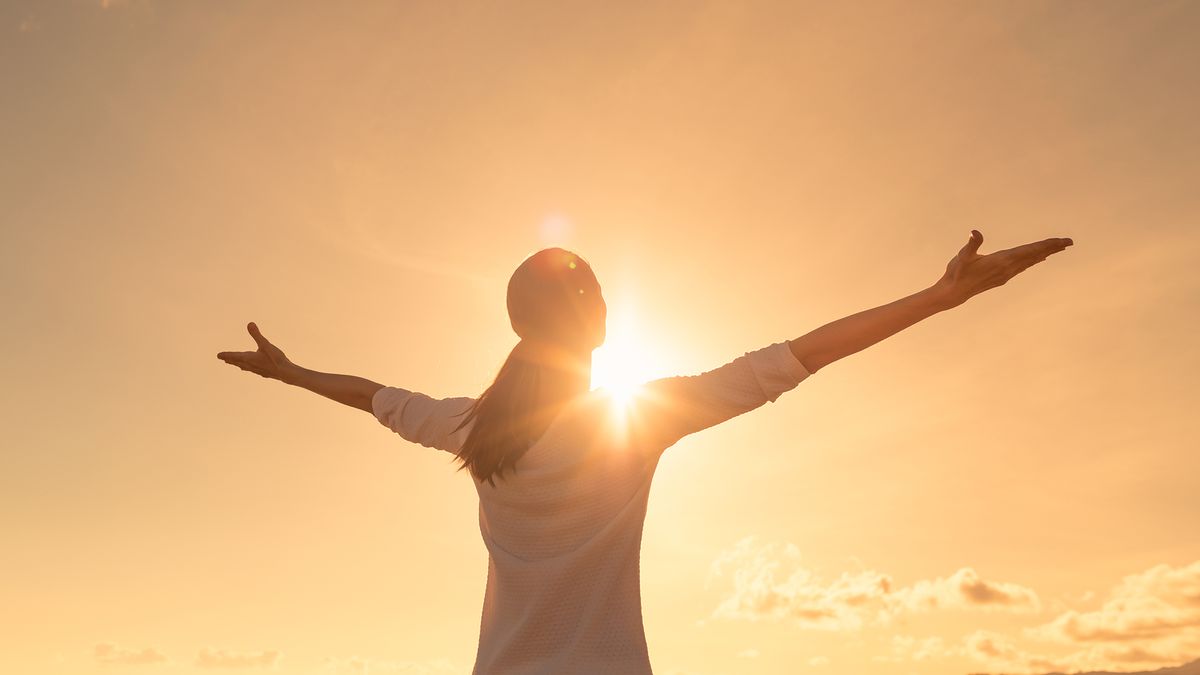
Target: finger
pixel 257 335
pixel 1052 244
pixel 1048 248
pixel 236 358
pixel 972 245
pixel 1018 255
pixel 1030 262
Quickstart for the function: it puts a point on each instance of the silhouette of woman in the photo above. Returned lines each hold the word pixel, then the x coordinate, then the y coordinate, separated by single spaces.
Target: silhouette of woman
pixel 563 473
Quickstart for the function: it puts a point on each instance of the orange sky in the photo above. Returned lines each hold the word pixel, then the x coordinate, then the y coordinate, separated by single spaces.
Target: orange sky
pixel 361 178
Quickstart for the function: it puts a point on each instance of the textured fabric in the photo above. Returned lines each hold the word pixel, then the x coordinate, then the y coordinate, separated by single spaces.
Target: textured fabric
pixel 564 532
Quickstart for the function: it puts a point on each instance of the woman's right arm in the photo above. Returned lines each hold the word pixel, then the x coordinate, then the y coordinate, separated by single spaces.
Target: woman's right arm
pixel 350 390
pixel 270 362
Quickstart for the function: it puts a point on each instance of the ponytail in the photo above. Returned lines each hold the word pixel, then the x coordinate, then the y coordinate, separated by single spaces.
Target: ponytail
pixel 555 306
pixel 507 421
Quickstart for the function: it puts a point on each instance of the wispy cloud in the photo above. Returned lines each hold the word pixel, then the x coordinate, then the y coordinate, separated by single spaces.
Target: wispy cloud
pixel 219 658
pixel 107 652
pixel 1001 653
pixel 909 648
pixel 998 651
pixel 358 665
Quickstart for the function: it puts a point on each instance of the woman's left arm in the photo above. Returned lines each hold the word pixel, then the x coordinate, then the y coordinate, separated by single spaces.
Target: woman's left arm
pixel 967 274
pixel 270 362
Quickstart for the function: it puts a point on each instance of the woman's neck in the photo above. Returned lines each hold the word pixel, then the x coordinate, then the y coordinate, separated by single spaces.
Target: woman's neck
pixel 559 386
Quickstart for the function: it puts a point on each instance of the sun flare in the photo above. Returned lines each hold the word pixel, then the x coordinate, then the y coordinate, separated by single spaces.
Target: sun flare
pixel 622 363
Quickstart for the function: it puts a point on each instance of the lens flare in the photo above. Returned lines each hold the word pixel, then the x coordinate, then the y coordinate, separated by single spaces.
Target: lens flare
pixel 622 363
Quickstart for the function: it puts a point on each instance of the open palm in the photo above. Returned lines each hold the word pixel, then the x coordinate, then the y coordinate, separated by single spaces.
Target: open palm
pixel 969 273
pixel 268 361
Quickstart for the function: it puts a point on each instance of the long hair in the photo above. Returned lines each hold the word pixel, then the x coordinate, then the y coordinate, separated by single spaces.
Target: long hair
pixel 554 305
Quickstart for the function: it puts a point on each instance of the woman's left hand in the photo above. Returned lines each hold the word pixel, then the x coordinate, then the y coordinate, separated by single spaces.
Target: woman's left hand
pixel 968 274
pixel 268 361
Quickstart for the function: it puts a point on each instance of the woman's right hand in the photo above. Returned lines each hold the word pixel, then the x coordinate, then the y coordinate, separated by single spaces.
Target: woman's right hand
pixel 969 274
pixel 269 361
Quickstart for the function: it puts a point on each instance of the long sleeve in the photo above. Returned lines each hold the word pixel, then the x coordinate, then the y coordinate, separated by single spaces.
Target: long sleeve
pixel 422 419
pixel 670 408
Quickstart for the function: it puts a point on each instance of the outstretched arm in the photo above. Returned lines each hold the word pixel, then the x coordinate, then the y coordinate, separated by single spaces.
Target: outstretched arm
pixel 967 275
pixel 270 362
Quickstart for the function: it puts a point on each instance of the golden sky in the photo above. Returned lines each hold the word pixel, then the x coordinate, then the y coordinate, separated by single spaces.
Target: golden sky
pixel 1008 486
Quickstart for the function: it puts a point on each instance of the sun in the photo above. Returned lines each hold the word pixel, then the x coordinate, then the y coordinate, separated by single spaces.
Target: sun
pixel 622 364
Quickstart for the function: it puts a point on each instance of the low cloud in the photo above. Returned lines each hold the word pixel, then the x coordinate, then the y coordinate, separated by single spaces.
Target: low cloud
pixel 769 583
pixel 358 665
pixel 219 658
pixel 966 590
pixel 1158 603
pixel 907 648
pixel 109 653
pixel 1000 652
pixel 1147 621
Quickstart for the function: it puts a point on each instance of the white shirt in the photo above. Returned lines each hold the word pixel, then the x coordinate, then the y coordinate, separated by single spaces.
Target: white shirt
pixel 564 532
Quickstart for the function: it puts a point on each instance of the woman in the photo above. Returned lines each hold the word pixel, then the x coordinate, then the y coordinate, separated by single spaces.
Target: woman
pixel 563 473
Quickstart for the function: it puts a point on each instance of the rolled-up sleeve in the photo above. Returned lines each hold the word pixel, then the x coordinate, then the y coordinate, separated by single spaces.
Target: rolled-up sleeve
pixel 422 419
pixel 670 408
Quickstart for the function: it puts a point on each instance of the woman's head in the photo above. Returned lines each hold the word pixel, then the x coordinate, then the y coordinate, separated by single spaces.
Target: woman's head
pixel 554 297
pixel 556 307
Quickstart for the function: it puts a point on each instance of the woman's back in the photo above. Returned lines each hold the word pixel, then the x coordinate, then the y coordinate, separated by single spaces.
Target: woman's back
pixel 563 535
pixel 563 531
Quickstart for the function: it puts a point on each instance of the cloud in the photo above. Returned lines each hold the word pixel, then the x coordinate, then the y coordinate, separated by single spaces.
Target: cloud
pixel 106 652
pixel 1148 619
pixel 966 590
pixel 908 648
pixel 999 652
pixel 770 584
pixel 357 665
pixel 1160 602
pixel 219 658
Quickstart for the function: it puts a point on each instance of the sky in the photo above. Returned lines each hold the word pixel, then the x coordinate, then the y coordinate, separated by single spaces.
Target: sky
pixel 1008 486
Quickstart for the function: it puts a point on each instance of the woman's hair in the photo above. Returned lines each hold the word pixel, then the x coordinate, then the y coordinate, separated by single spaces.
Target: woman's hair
pixel 553 304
